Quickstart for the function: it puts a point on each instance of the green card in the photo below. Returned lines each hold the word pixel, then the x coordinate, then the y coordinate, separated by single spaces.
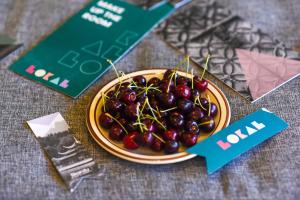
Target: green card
pixel 75 55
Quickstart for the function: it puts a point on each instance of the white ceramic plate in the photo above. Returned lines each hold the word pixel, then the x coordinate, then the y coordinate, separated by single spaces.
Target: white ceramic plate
pixel 143 154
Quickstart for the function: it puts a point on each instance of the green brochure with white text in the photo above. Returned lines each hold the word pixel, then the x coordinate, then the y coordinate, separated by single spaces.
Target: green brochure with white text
pixel 75 55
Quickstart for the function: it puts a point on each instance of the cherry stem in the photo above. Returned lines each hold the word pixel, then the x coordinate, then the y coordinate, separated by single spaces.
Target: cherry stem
pixel 187 65
pixel 143 106
pixel 107 114
pixel 154 134
pixel 209 105
pixel 138 117
pixel 104 101
pixel 204 123
pixel 180 63
pixel 205 67
pixel 151 109
pixel 169 109
pixel 186 59
pixel 157 111
pixel 170 81
pixel 198 99
pixel 146 89
pixel 117 93
pixel 117 73
pixel 122 73
pixel 133 83
pixel 112 64
pixel 142 125
pixel 192 78
pixel 155 119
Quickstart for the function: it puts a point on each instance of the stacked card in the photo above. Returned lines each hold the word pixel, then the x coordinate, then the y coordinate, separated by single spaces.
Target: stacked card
pixel 7 45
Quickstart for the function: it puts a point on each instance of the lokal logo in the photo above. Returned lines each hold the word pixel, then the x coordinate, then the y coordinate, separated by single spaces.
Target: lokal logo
pixel 47 76
pixel 235 138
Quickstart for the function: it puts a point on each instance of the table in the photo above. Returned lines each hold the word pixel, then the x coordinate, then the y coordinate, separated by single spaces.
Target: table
pixel 269 171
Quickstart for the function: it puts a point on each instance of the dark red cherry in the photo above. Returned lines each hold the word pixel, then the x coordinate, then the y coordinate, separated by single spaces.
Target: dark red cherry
pixel 110 93
pixel 152 94
pixel 213 109
pixel 113 105
pixel 145 139
pixel 176 119
pixel 164 113
pixel 159 127
pixel 121 93
pixel 184 105
pixel 116 132
pixel 140 92
pixel 122 87
pixel 167 99
pixel 171 134
pixel 180 133
pixel 171 147
pixel 105 120
pixel 157 145
pixel 140 80
pixel 204 102
pixel 194 94
pixel 207 124
pixel 200 84
pixel 189 139
pixel 122 121
pixel 196 114
pixel 130 126
pixel 181 80
pixel 128 96
pixel 154 103
pixel 168 74
pixel 129 140
pixel 125 84
pixel 141 100
pixel 192 127
pixel 155 82
pixel 149 125
pixel 183 91
pixel 131 111
pixel 166 84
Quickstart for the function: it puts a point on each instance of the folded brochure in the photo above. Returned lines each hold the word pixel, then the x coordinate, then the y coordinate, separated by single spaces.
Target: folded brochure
pixel 75 55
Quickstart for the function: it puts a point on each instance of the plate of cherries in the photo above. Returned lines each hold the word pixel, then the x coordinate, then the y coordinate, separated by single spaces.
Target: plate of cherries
pixel 153 116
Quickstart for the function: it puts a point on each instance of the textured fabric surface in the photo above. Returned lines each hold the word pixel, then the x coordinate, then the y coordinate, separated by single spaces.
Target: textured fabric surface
pixel 269 171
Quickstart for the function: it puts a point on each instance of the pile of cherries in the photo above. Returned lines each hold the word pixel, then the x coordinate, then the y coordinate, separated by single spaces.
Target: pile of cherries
pixel 160 113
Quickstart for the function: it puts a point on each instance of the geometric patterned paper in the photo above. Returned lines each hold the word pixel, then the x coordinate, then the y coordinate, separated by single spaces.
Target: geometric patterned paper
pixel 204 27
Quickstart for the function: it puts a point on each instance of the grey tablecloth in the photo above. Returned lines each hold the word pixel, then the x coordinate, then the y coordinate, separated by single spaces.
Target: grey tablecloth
pixel 269 171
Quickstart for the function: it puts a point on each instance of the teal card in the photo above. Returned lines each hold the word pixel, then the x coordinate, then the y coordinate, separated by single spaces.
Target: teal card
pixel 238 138
pixel 75 55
